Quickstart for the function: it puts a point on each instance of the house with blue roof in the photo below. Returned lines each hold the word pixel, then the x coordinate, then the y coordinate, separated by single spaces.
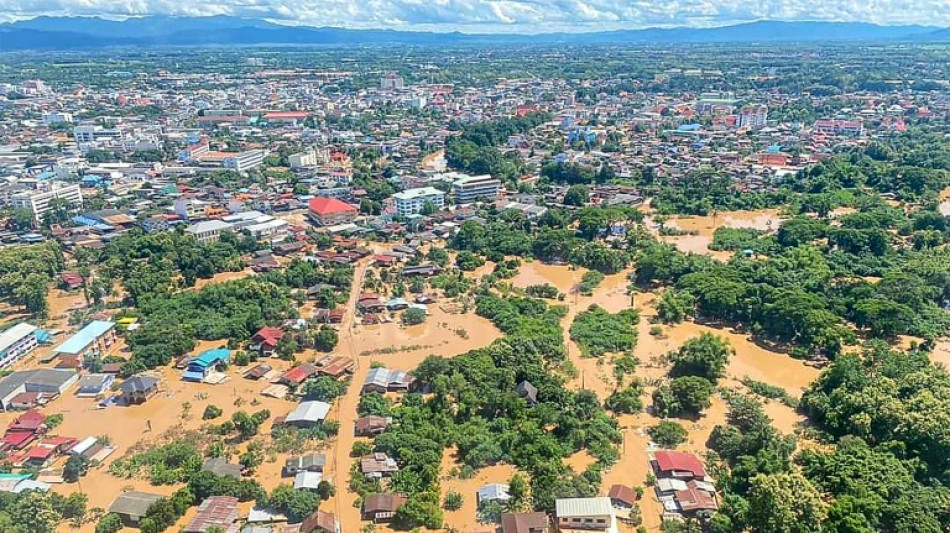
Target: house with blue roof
pixel 94 339
pixel 207 362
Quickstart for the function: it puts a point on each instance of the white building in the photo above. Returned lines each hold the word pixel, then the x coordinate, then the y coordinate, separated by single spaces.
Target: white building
pixel 16 342
pixel 245 160
pixel 468 189
pixel 57 118
pixel 304 159
pixel 411 201
pixel 588 514
pixel 208 231
pixel 189 208
pixel 88 134
pixel 38 202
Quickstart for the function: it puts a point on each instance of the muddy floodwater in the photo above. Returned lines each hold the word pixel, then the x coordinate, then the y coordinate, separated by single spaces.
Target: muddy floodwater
pixel 700 229
pixel 449 330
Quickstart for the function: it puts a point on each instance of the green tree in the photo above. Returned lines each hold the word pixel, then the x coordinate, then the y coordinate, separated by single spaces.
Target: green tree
pixel 705 356
pixel 784 503
pixel 667 433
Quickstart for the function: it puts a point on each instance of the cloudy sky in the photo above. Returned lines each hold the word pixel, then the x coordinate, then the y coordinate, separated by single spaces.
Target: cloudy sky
pixel 504 15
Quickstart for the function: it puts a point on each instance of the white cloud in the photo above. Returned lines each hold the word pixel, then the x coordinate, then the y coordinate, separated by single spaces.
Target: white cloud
pixel 505 15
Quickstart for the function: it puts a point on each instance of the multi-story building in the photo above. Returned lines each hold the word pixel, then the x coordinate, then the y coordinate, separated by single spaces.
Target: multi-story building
pixel 391 80
pixel 38 201
pixel 839 127
pixel 189 208
pixel 57 118
pixel 245 160
pixel 208 231
pixel 16 342
pixel 468 189
pixel 412 201
pixel 752 116
pixel 304 159
pixel 87 134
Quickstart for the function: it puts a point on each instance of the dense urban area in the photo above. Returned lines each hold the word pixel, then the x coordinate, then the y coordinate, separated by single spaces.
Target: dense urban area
pixel 533 288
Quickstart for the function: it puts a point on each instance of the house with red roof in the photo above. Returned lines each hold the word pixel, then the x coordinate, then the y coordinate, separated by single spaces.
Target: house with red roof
pixel 680 465
pixel 330 211
pixel 265 341
pixel 298 374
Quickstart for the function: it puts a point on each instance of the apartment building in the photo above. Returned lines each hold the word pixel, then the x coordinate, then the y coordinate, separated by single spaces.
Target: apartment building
pixel 304 159
pixel 16 342
pixel 753 117
pixel 244 161
pixel 412 201
pixel 38 201
pixel 50 119
pixel 468 189
pixel 91 134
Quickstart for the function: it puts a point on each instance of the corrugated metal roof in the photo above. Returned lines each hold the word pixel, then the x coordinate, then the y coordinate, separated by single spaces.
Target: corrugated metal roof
pixel 583 506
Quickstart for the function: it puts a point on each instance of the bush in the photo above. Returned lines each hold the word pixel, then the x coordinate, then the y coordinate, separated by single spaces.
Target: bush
pixel 668 434
pixel 412 317
pixel 597 331
pixel 109 523
pixel 242 359
pixel 627 400
pixel 453 501
pixel 211 412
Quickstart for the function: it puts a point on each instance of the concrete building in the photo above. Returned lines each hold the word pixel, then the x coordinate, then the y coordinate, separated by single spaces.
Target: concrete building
pixel 753 117
pixel 16 342
pixel 47 381
pixel 411 201
pixel 57 118
pixel 89 135
pixel 208 231
pixel 38 201
pixel 468 189
pixel 245 160
pixel 391 80
pixel 95 339
pixel 189 208
pixel 304 159
pixel 587 514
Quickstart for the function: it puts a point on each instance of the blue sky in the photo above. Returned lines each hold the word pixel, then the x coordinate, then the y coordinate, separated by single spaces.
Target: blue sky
pixel 504 15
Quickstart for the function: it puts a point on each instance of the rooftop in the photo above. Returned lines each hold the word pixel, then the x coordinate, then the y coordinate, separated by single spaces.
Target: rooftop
pixel 84 337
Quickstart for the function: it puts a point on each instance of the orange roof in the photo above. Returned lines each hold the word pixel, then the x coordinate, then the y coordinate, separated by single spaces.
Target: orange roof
pixel 329 206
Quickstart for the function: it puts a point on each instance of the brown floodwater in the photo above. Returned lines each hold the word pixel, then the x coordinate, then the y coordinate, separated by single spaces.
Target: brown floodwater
pixel 448 334
pixel 702 229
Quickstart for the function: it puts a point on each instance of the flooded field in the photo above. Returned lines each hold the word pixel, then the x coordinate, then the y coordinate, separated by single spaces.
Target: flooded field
pixel 701 229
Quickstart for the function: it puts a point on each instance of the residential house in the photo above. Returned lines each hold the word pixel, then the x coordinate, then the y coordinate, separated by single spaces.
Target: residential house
pixel 493 492
pixel 587 514
pixel 94 385
pixel 311 462
pixel 219 466
pixel 383 380
pixel 258 372
pixel 138 389
pixel 308 414
pixel 320 522
pixel 307 480
pixel 265 341
pixel 527 391
pixel 622 496
pixel 524 523
pixel 131 506
pixel 371 425
pixel 298 374
pixel 336 366
pixel 679 465
pixel 216 513
pixel 209 361
pixel 378 465
pixel 381 507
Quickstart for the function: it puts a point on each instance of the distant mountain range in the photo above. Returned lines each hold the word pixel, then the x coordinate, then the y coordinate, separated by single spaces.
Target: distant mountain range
pixel 92 32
